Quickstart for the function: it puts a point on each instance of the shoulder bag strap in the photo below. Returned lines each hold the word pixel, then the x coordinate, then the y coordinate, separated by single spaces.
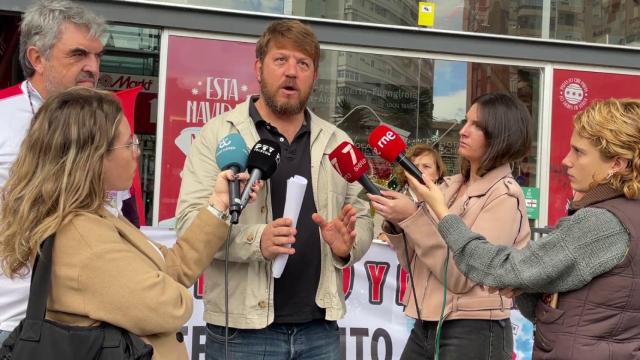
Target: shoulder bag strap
pixel 41 281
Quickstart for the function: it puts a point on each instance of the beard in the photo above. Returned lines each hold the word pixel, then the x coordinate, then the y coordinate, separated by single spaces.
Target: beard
pixel 52 84
pixel 285 107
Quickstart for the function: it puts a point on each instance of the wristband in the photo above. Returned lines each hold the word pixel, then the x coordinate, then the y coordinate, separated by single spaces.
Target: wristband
pixel 217 213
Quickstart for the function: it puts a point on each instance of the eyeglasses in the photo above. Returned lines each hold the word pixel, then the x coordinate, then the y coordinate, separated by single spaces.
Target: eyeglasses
pixel 134 144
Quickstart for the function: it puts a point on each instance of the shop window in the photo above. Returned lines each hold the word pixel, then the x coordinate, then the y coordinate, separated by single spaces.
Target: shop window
pixel 425 100
pixel 131 59
pixel 478 16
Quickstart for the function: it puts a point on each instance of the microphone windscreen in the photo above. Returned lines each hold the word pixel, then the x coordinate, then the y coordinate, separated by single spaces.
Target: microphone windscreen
pixel 232 151
pixel 264 156
pixel 386 143
pixel 349 161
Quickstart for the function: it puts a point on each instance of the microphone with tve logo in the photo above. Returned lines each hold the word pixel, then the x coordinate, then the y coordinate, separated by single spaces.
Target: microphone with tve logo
pixel 351 164
pixel 262 163
pixel 232 154
pixel 390 146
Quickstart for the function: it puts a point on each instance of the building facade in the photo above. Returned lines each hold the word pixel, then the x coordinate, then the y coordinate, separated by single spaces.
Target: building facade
pixel 377 66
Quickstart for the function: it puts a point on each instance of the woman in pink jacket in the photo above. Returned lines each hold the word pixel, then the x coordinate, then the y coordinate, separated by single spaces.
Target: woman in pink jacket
pixel 470 322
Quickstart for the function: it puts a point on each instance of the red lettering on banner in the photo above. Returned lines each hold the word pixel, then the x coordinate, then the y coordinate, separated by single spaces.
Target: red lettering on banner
pixel 198 288
pixel 377 274
pixel 347 281
pixel 402 278
pixel 127 83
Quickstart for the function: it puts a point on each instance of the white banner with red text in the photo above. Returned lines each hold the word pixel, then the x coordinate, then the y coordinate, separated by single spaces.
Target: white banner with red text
pixel 375 326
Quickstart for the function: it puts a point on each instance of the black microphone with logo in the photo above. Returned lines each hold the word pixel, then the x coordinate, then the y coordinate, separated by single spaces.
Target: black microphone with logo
pixel 262 162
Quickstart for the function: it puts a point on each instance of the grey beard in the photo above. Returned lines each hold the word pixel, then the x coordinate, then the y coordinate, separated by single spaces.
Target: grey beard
pixel 52 87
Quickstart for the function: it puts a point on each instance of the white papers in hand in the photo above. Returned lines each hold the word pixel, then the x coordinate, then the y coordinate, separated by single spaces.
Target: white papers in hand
pixel 296 186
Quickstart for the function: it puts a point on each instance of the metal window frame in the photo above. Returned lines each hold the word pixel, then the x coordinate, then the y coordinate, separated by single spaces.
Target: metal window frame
pixel 547 55
pixel 163 15
pixel 546 69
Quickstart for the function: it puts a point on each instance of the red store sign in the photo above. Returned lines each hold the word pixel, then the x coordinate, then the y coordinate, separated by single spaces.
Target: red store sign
pixel 204 78
pixel 572 92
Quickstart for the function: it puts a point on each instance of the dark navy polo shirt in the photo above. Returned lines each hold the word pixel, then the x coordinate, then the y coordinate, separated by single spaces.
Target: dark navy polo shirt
pixel 295 291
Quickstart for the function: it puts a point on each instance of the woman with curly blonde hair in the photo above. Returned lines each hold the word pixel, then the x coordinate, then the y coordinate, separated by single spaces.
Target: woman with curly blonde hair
pixel 78 149
pixel 581 283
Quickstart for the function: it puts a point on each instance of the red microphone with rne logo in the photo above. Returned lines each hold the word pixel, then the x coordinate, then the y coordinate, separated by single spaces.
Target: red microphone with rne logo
pixel 390 146
pixel 351 164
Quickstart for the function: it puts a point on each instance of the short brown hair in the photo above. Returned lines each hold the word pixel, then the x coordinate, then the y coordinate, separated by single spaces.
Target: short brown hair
pixel 414 152
pixel 291 32
pixel 505 123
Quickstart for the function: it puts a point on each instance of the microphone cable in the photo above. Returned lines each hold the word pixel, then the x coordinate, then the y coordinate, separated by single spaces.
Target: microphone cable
pixel 444 296
pixel 444 303
pixel 269 276
pixel 226 293
pixel 415 297
pixel 264 350
pixel 413 286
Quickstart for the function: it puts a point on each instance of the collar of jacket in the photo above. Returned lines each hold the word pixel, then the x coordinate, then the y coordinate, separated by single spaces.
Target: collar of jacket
pixel 321 134
pixel 134 236
pixel 598 194
pixel 484 184
pixel 320 129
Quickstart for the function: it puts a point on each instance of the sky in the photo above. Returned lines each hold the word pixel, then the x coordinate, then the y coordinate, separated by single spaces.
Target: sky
pixel 449 14
pixel 268 6
pixel 450 89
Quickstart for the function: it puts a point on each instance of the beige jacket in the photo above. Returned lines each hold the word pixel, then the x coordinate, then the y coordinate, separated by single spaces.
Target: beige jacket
pixel 494 207
pixel 250 277
pixel 105 269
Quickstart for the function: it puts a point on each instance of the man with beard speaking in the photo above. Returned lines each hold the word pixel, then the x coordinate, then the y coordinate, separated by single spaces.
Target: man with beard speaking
pixel 293 316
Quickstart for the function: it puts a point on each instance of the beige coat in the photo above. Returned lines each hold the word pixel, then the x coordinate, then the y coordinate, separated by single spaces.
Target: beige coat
pixel 105 269
pixel 251 292
pixel 493 207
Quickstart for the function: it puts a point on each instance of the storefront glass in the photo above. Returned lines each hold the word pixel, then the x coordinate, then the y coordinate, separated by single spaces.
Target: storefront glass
pixel 425 100
pixel 597 21
pixel 131 59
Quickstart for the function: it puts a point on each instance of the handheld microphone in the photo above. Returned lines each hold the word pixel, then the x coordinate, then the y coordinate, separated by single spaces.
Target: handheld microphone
pixel 390 146
pixel 262 163
pixel 232 154
pixel 351 164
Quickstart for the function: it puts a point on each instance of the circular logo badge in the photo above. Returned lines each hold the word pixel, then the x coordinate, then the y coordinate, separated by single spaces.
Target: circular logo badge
pixel 574 93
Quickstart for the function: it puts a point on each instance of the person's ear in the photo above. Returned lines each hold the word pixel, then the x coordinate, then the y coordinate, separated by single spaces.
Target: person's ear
pixel 257 67
pixel 36 59
pixel 619 164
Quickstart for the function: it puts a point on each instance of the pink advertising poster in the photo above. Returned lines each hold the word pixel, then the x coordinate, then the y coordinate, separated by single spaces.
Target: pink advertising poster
pixel 204 78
